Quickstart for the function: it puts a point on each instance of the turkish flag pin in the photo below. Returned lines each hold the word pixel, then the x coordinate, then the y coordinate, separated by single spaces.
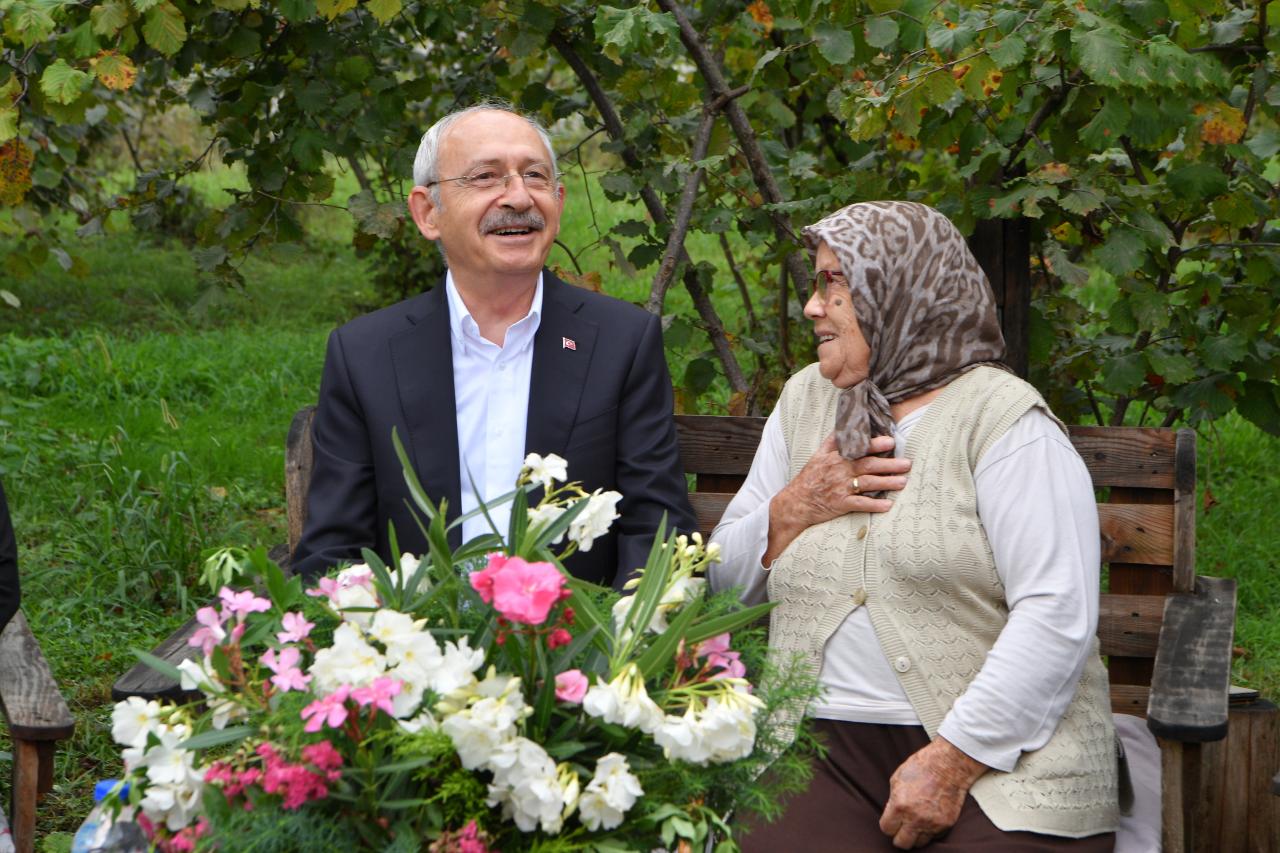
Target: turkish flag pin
pixel 568 343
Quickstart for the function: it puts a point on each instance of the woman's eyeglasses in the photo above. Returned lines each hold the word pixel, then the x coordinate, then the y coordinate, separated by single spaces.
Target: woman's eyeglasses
pixel 824 281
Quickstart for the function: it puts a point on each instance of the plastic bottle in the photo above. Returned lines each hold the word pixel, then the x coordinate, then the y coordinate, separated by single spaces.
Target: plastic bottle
pixel 103 831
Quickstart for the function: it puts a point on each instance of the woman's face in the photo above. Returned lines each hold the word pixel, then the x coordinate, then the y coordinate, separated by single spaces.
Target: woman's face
pixel 843 355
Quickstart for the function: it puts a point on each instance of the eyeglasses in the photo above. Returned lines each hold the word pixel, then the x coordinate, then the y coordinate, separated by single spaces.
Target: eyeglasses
pixel 824 281
pixel 536 179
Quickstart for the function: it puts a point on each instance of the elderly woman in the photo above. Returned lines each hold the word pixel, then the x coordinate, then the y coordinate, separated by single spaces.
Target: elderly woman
pixel 948 603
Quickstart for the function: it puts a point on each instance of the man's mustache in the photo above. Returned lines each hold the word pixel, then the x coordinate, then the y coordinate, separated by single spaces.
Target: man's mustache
pixel 501 219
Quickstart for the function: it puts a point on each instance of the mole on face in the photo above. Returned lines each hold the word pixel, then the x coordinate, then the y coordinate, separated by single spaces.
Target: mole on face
pixel 839 302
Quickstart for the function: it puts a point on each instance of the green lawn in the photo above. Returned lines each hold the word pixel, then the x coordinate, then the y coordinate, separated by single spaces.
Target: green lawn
pixel 142 421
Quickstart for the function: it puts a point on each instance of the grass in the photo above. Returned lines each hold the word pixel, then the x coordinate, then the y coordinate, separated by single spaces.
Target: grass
pixel 143 415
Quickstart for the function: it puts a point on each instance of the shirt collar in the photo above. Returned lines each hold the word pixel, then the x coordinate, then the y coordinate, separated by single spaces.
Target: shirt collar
pixel 465 330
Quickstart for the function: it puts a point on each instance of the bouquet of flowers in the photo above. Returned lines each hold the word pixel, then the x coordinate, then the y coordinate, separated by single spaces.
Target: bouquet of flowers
pixel 471 700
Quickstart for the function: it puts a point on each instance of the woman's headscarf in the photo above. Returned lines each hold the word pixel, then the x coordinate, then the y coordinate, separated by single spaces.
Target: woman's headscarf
pixel 922 301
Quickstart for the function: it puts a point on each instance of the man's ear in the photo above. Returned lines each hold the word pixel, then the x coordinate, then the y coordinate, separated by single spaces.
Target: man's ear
pixel 423 209
pixel 560 204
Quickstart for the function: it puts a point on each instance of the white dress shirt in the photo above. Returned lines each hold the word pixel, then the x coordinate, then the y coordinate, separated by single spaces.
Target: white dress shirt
pixel 1036 502
pixel 491 393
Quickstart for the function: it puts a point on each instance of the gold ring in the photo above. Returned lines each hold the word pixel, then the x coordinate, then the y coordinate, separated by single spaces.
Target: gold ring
pixel 853 487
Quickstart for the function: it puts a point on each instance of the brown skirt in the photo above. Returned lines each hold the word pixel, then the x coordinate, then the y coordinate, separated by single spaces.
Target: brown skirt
pixel 841 809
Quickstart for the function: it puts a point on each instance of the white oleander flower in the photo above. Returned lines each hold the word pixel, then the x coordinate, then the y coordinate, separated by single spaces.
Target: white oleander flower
pixel 174 784
pixel 542 517
pixel 198 674
pixel 594 521
pixel 624 701
pixel 610 794
pixel 355 597
pixel 546 470
pixel 391 626
pixel 401 576
pixel 133 719
pixel 682 738
pixel 350 660
pixel 485 725
pixel 728 730
pixel 457 666
pixel 526 783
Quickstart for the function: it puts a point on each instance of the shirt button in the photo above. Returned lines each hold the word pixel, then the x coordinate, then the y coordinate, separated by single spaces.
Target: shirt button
pixel 859 598
pixel 862 532
pixel 902 664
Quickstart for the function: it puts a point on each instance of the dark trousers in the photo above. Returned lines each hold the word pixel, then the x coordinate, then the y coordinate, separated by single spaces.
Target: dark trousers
pixel 841 810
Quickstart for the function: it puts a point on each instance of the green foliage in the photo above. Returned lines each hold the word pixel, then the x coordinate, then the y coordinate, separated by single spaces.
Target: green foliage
pixel 1138 139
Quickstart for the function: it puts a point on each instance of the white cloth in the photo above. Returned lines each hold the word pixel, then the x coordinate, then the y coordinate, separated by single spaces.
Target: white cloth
pixel 491 394
pixel 1139 830
pixel 1036 503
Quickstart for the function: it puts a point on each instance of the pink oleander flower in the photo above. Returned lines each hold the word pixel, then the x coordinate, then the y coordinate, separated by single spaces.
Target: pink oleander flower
pixel 379 694
pixel 295 783
pixel 296 628
pixel 210 634
pixel 571 686
pixel 285 666
pixel 717 652
pixel 482 581
pixel 525 592
pixel 241 604
pixel 328 710
pixel 328 587
pixel 559 637
pixel 323 756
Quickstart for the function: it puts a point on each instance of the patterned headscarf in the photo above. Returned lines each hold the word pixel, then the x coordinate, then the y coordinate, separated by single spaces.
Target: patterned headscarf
pixel 922 301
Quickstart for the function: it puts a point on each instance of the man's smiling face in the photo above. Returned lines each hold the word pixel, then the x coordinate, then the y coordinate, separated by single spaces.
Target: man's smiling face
pixel 502 231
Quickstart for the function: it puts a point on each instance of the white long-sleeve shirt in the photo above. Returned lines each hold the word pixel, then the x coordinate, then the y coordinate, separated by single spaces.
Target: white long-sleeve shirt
pixel 491 394
pixel 1036 502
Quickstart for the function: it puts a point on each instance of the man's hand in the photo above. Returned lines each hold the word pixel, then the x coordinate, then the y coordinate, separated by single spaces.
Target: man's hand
pixel 823 490
pixel 927 792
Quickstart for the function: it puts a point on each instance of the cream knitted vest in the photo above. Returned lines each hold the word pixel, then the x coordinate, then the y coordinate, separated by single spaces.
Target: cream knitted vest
pixel 926 574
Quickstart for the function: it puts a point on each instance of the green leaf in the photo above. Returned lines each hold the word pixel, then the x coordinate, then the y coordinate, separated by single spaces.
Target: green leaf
pixel 1260 404
pixel 881 31
pixel 383 10
pixel 1102 53
pixel 296 11
pixel 1197 181
pixel 8 121
pixel 1081 201
pixel 949 39
pixel 1224 352
pixel 1173 367
pixel 145 5
pixel 1265 143
pixel 1061 266
pixel 7 297
pixel 1123 252
pixel 109 17
pixel 1124 374
pixel 1107 125
pixel 160 665
pixel 331 9
pixel 308 149
pixel 30 21
pixel 835 43
pixel 218 737
pixel 728 622
pixel 165 29
pixel 62 84
pixel 1008 51
pixel 699 374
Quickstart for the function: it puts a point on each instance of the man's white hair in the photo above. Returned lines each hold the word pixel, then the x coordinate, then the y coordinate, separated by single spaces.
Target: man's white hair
pixel 425 163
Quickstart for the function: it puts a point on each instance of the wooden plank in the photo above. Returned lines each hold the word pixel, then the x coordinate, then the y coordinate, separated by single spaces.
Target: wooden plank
pixel 298 458
pixel 1130 624
pixel 1136 579
pixel 716 444
pixel 144 681
pixel 707 508
pixel 1130 699
pixel 1193 666
pixel 29 696
pixel 1136 534
pixel 1184 512
pixel 1136 457
pixel 1239 812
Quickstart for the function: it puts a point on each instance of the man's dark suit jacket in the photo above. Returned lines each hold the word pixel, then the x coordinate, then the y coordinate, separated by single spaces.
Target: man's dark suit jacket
pixel 599 396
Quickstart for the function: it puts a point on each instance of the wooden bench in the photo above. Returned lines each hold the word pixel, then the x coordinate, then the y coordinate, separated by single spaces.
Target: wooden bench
pixel 37 718
pixel 1167 633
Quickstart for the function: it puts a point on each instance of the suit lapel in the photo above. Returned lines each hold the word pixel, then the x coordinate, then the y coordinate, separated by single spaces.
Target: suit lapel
pixel 423 360
pixel 562 351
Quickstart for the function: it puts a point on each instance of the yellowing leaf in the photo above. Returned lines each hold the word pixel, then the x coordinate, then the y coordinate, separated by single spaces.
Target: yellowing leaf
pixel 165 29
pixel 333 8
pixel 114 71
pixel 8 123
pixel 145 5
pixel 62 84
pixel 109 17
pixel 383 10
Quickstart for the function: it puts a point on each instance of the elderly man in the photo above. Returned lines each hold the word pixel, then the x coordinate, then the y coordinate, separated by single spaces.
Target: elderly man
pixel 500 360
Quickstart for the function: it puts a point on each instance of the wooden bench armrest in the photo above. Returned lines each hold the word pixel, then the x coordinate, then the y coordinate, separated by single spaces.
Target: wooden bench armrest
pixel 1192 672
pixel 29 697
